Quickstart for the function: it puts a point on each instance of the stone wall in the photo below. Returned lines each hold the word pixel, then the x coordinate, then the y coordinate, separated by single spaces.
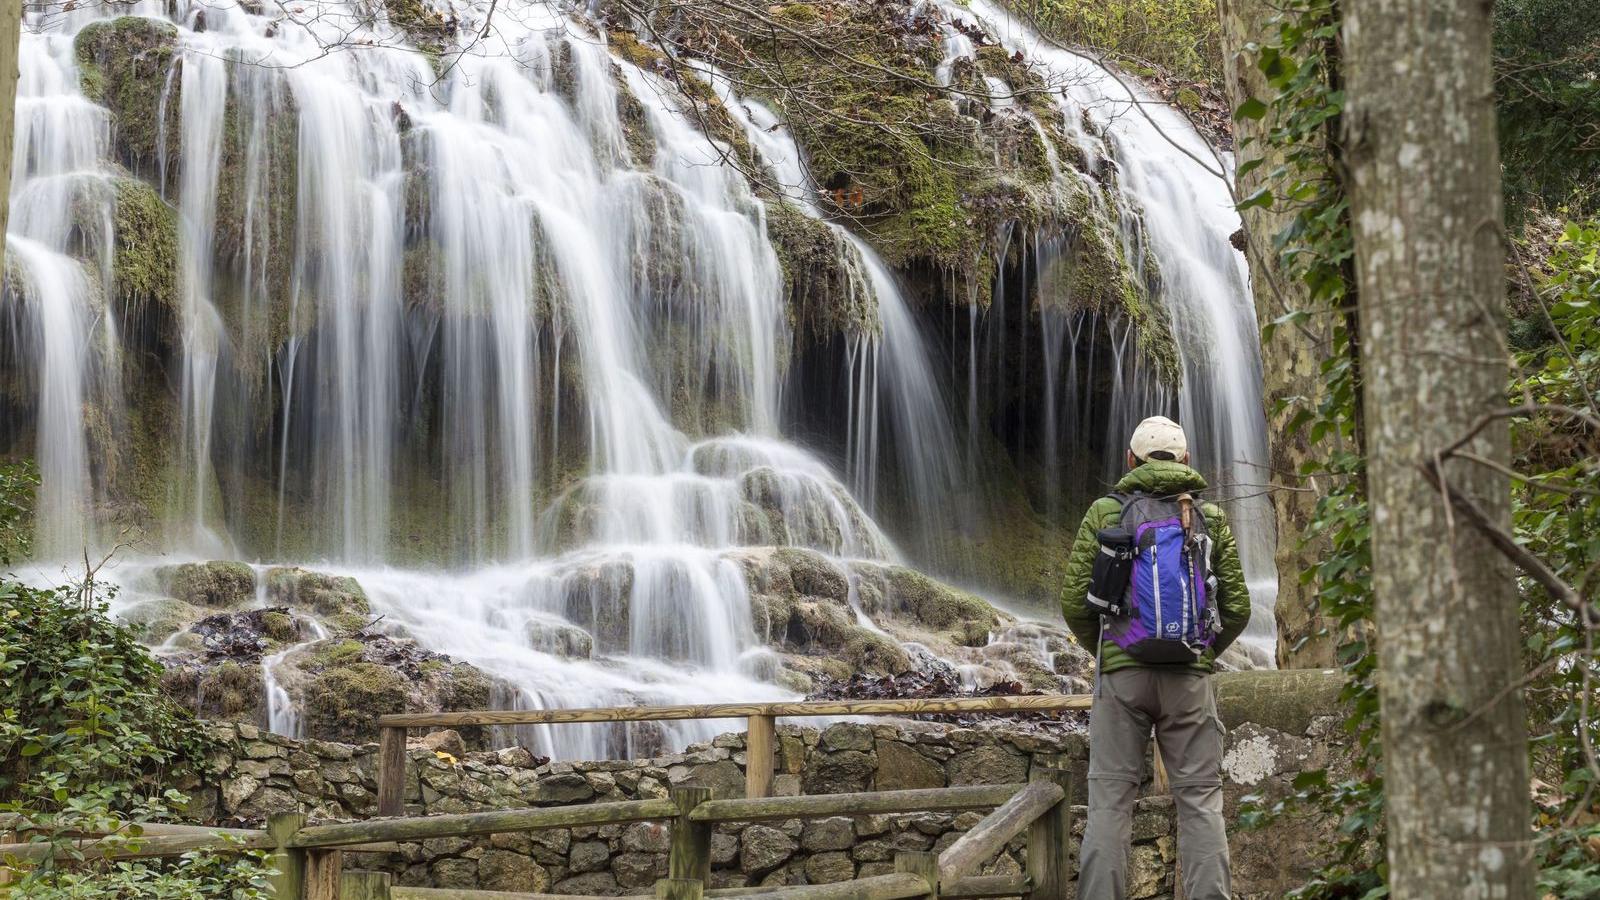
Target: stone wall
pixel 1279 724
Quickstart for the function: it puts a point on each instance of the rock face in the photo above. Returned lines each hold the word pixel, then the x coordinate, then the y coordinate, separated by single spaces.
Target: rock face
pixel 258 773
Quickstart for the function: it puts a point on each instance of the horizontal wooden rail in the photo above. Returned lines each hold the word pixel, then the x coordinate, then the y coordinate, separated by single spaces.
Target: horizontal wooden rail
pixel 760 745
pixel 876 887
pixel 899 707
pixel 752 809
pixel 977 886
pixel 490 822
pixel 142 847
pixel 987 838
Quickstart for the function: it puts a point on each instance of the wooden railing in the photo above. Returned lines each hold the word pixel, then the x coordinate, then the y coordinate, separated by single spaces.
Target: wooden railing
pixel 309 865
pixel 760 741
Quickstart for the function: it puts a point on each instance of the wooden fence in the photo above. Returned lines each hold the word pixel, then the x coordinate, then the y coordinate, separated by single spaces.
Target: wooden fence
pixel 309 862
pixel 761 718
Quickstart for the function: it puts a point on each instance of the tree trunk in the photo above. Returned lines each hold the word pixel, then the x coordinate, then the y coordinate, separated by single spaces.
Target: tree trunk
pixel 1291 361
pixel 1425 203
pixel 10 53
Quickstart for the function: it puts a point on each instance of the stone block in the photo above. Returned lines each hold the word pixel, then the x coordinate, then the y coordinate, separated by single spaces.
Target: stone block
pixel 901 767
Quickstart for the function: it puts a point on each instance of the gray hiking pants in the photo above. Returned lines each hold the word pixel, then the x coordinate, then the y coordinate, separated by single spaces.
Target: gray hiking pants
pixel 1183 710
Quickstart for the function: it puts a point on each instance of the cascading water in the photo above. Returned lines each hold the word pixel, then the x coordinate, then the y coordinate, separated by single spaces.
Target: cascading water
pixel 1173 202
pixel 503 340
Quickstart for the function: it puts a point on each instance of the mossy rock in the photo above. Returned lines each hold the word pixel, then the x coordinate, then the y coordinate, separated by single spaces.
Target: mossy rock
pixel 145 264
pixel 123 65
pixel 342 685
pixel 220 584
pixel 336 599
pixel 230 691
pixel 965 619
pixel 826 296
pixel 160 618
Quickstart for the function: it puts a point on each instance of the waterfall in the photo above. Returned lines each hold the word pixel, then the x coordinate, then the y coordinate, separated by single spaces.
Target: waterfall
pixel 500 334
pixel 1174 202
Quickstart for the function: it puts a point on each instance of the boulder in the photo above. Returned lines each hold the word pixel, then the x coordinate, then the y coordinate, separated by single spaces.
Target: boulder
pixel 219 584
pixel 763 848
pixel 337 600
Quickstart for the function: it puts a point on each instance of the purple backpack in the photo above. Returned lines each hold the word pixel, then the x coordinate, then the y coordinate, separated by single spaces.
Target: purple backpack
pixel 1167 613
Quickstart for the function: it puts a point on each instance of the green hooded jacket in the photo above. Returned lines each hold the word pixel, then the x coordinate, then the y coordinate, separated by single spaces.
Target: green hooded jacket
pixel 1161 479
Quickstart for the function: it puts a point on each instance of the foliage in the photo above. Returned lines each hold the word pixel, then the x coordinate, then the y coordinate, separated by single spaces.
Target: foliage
pixel 87 740
pixel 1547 53
pixel 1178 35
pixel 17 484
pixel 1556 516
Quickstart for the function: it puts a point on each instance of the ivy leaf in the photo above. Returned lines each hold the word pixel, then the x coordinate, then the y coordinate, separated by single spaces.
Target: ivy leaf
pixel 1250 109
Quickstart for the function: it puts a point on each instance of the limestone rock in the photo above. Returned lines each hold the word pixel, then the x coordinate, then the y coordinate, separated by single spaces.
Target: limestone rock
pixel 987 765
pixel 589 856
pixel 843 772
pixel 900 767
pixel 829 867
pixel 836 833
pixel 764 848
pixel 503 870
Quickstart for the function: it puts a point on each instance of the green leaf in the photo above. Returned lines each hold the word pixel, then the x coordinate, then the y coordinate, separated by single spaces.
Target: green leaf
pixel 1252 108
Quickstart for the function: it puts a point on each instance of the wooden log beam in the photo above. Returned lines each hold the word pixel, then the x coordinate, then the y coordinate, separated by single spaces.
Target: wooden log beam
pixel 751 809
pixel 421 893
pixel 288 881
pixel 680 889
pixel 976 886
pixel 1050 856
pixel 989 836
pixel 760 758
pixel 357 885
pixel 490 822
pixel 902 707
pixel 391 771
pixel 144 847
pixel 877 887
pixel 690 856
pixel 324 871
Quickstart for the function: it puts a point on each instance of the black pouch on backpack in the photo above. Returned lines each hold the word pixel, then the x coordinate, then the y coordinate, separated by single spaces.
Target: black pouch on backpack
pixel 1113 566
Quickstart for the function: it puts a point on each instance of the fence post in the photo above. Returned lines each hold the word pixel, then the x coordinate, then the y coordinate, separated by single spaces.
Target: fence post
pixel 760 757
pixel 323 869
pixel 290 881
pixel 680 889
pixel 690 857
pixel 391 771
pixel 357 885
pixel 1050 837
pixel 922 864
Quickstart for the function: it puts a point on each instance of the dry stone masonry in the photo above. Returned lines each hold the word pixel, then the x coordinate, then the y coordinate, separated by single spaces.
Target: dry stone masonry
pixel 1279 724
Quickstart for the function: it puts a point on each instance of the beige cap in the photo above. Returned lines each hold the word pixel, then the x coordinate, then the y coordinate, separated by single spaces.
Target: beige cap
pixel 1158 435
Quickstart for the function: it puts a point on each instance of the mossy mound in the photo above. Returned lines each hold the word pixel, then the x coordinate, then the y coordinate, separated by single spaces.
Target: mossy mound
pixel 220 584
pixel 145 265
pixel 229 690
pixel 160 618
pixel 341 686
pixel 826 295
pixel 338 600
pixel 123 65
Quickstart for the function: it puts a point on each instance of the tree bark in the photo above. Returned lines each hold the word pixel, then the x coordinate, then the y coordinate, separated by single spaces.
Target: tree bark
pixel 1425 203
pixel 1291 361
pixel 10 55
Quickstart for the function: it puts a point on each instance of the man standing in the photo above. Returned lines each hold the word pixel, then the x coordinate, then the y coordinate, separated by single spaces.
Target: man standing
pixel 1155 587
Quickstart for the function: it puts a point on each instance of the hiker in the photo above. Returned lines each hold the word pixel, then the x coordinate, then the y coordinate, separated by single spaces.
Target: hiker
pixel 1155 588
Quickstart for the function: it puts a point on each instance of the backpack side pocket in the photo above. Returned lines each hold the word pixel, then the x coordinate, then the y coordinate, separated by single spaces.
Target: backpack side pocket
pixel 1113 567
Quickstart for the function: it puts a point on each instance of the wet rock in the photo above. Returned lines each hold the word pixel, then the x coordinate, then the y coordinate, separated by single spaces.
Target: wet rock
pixel 160 618
pixel 335 599
pixel 218 584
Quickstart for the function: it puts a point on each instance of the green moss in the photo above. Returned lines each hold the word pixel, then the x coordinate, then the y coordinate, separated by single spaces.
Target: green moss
pixel 341 702
pixel 145 264
pixel 336 599
pixel 123 65
pixel 220 583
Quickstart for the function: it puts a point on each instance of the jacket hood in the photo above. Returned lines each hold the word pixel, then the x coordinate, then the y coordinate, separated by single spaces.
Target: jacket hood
pixel 1162 478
